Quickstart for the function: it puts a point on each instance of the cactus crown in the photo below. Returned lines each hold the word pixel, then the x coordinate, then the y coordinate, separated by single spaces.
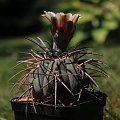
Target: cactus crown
pixel 55 75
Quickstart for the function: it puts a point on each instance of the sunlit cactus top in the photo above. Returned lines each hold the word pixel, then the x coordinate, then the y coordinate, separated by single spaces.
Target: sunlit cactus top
pixel 62 27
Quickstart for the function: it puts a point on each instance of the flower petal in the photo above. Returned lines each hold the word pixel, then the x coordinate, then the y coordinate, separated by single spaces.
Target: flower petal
pixel 49 15
pixel 69 27
pixel 63 20
pixel 69 17
pixel 75 18
pixel 58 16
pixel 54 26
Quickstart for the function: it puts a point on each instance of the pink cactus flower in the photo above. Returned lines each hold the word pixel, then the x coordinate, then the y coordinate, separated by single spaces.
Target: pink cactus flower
pixel 62 27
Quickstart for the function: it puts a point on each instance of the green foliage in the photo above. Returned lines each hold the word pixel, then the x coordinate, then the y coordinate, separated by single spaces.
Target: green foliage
pixel 99 35
pixel 5 72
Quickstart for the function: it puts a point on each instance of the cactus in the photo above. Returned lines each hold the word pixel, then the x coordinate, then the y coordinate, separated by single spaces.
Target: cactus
pixel 55 74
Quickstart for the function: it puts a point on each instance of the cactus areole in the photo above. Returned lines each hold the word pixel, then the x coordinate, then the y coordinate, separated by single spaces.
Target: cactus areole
pixel 56 76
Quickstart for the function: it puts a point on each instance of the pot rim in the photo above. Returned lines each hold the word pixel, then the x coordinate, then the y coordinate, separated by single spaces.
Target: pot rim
pixel 102 100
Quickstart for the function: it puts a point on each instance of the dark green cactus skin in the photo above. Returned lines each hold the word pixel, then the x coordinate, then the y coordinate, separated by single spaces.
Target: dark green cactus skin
pixel 67 72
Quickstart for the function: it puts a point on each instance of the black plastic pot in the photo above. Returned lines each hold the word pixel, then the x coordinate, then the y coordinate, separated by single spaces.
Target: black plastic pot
pixel 89 109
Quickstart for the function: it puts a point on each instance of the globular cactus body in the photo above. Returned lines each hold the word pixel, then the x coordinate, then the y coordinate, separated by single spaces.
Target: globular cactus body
pixel 64 72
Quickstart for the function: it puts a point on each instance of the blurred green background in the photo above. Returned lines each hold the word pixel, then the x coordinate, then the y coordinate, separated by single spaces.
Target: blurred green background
pixel 98 28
